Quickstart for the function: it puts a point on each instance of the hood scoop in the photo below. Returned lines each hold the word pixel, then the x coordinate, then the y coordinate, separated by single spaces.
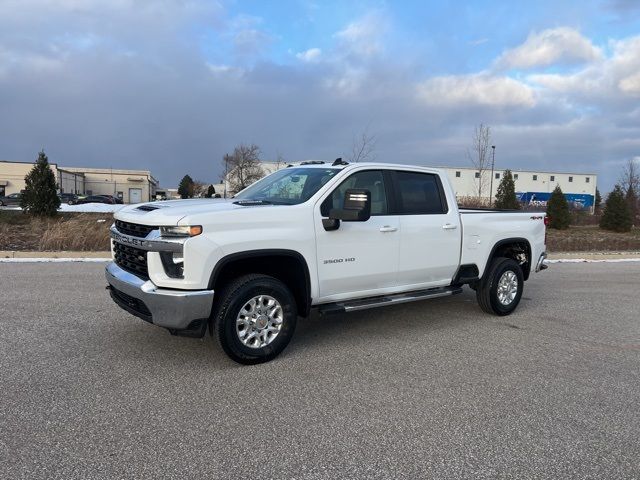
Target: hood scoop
pixel 147 208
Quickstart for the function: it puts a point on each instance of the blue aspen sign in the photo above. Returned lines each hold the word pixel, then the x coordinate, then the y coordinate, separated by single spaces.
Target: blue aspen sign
pixel 540 199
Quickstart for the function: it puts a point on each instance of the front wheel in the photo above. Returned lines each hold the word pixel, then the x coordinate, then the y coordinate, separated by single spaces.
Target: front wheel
pixel 500 289
pixel 254 318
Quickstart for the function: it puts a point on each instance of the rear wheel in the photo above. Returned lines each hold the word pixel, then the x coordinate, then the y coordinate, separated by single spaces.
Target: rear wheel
pixel 500 289
pixel 255 318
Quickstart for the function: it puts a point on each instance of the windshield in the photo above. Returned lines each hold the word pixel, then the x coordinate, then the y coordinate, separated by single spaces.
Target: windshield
pixel 288 186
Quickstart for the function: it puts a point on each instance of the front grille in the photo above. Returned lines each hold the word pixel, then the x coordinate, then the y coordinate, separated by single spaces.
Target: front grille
pixel 130 304
pixel 134 229
pixel 131 259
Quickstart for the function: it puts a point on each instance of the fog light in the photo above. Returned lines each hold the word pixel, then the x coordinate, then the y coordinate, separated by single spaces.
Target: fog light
pixel 173 264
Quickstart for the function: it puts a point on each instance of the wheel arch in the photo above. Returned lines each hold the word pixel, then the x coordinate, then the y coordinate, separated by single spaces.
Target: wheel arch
pixel 288 266
pixel 512 248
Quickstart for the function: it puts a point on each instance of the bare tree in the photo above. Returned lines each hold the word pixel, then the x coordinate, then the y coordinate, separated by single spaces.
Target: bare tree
pixel 479 153
pixel 630 182
pixel 363 147
pixel 631 175
pixel 280 161
pixel 199 189
pixel 242 167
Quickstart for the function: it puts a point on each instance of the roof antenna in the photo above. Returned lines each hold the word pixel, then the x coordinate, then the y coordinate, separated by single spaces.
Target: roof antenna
pixel 339 161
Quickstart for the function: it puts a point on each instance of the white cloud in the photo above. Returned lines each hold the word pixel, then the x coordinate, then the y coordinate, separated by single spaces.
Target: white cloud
pixel 630 84
pixel 616 75
pixel 557 45
pixel 311 55
pixel 363 36
pixel 225 70
pixel 479 89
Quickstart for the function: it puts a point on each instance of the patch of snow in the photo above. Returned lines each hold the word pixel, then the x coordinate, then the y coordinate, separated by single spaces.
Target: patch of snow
pixel 588 260
pixel 91 208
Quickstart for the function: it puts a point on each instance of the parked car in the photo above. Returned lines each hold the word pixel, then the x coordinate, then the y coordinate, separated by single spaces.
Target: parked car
pixel 96 199
pixel 333 237
pixel 11 200
pixel 69 198
pixel 115 199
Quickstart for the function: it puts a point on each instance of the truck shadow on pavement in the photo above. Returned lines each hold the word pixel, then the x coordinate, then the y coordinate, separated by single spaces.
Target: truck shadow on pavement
pixel 314 335
pixel 416 318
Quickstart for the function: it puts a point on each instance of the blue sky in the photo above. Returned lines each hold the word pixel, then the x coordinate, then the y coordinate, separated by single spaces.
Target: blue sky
pixel 172 85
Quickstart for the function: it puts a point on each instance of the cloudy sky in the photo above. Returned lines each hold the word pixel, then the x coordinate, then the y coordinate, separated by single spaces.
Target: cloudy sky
pixel 171 85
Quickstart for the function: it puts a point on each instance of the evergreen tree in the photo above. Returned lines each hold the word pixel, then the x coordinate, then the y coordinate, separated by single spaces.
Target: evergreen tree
pixel 210 192
pixel 185 188
pixel 506 194
pixel 40 195
pixel 598 200
pixel 616 216
pixel 632 200
pixel 558 210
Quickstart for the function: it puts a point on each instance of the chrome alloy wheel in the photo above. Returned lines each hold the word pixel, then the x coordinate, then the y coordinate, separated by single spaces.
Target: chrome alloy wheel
pixel 507 287
pixel 259 321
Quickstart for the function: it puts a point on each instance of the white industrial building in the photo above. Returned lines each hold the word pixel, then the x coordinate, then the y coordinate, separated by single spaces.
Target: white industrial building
pixel 532 187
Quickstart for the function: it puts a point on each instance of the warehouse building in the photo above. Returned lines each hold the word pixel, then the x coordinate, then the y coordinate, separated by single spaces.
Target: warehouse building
pixel 12 178
pixel 132 186
pixel 532 187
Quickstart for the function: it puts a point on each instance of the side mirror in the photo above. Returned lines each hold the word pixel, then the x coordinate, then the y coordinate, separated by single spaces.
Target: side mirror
pixel 357 208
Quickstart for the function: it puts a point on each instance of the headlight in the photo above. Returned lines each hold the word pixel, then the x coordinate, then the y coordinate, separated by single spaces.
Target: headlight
pixel 181 231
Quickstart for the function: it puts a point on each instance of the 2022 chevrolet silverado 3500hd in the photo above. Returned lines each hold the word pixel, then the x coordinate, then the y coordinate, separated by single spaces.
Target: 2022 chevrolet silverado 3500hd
pixel 332 236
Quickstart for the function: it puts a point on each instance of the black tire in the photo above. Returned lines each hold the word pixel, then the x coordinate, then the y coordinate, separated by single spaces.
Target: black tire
pixel 487 291
pixel 229 304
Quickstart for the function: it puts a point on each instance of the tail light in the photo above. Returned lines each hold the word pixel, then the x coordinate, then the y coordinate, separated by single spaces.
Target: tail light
pixel 547 219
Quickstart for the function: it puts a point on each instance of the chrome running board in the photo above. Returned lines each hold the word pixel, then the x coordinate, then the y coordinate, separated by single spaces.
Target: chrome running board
pixel 372 302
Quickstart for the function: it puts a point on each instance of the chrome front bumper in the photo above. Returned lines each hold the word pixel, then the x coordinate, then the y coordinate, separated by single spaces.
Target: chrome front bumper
pixel 541 265
pixel 174 309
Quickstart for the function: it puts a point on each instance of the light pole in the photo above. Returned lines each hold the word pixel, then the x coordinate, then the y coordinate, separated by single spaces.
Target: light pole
pixel 493 164
pixel 226 174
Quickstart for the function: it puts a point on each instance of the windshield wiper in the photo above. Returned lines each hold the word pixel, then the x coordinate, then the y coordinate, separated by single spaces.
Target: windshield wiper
pixel 253 202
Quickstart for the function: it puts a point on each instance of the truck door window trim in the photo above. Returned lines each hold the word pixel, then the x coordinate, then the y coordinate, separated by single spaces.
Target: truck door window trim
pixel 388 191
pixel 398 198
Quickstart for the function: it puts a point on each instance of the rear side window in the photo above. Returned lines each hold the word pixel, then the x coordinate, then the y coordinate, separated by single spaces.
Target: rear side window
pixel 419 193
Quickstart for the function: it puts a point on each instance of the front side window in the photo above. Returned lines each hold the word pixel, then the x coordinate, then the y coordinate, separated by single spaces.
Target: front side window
pixel 419 193
pixel 371 180
pixel 288 186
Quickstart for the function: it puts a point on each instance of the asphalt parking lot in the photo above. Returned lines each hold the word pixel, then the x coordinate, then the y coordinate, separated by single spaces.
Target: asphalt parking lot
pixel 434 389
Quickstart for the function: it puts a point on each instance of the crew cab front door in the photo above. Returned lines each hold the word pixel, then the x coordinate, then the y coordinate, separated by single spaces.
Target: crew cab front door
pixel 359 257
pixel 431 236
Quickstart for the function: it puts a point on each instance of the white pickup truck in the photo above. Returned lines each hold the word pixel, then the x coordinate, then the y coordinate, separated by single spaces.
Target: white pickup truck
pixel 335 237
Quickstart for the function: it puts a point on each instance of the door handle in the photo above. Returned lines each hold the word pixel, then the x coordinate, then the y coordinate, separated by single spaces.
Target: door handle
pixel 388 228
pixel 449 226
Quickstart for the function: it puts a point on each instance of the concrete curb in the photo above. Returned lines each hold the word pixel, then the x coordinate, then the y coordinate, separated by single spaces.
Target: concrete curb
pixel 55 260
pixel 8 254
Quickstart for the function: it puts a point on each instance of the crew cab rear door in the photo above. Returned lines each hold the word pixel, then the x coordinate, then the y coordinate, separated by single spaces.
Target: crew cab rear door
pixel 430 233
pixel 359 258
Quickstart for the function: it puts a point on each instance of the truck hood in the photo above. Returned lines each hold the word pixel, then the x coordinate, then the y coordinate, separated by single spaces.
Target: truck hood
pixel 170 212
